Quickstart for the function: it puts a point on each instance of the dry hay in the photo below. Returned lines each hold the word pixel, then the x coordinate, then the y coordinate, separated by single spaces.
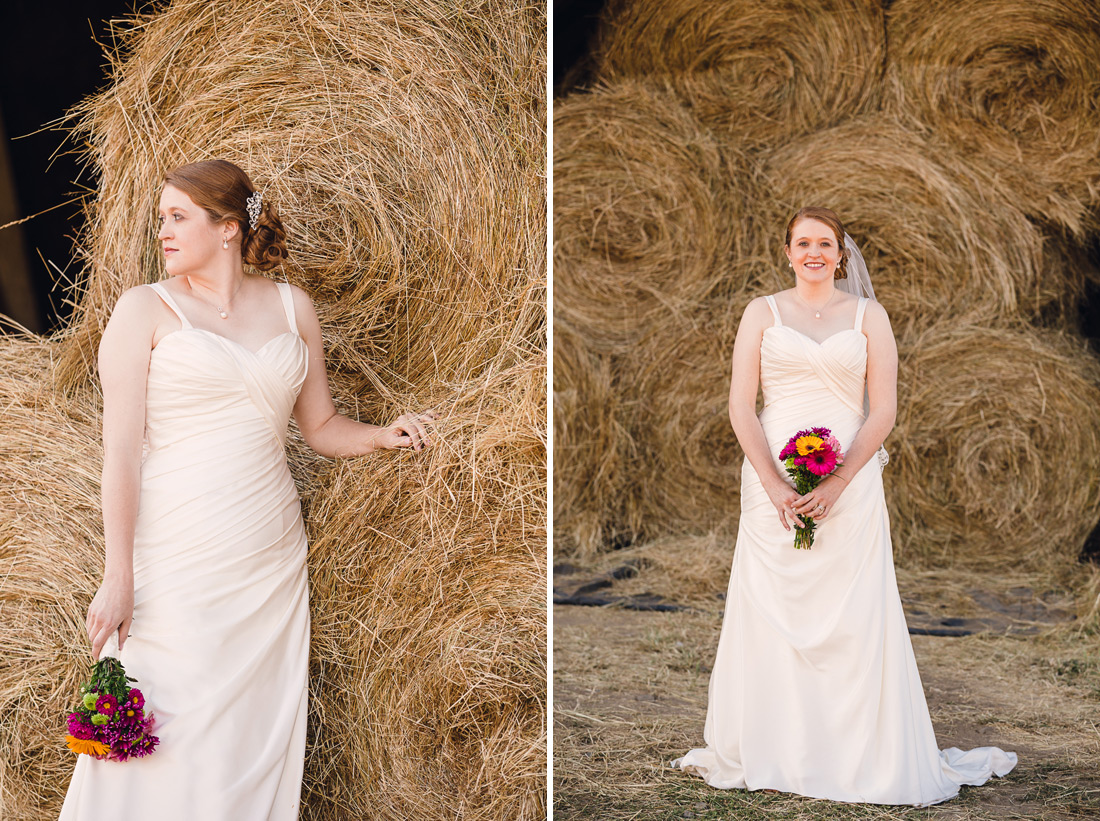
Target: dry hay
pixel 1015 85
pixel 939 234
pixel 404 146
pixel 51 540
pixel 643 220
pixel 758 69
pixel 428 632
pixel 594 453
pixel 995 458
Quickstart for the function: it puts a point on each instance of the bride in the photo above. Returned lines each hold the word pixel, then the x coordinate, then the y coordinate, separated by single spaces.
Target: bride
pixel 204 595
pixel 815 689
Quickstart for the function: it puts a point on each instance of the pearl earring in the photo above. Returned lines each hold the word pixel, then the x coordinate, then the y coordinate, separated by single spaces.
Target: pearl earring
pixel 225 243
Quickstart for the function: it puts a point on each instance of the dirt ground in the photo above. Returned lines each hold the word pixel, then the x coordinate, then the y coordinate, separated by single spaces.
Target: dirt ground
pixel 630 692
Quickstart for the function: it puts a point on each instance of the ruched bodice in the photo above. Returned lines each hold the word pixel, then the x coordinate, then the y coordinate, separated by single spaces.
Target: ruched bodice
pixel 814 688
pixel 812 384
pixel 220 636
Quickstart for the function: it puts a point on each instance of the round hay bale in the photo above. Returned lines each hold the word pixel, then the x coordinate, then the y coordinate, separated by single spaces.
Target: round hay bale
pixel 996 450
pixel 759 69
pixel 644 224
pixel 403 146
pixel 427 603
pixel 51 540
pixel 594 453
pixel 1012 82
pixel 405 149
pixel 940 235
pixel 688 472
pixel 429 623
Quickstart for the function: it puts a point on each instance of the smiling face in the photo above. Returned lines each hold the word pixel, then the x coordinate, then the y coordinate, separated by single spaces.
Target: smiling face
pixel 189 238
pixel 814 251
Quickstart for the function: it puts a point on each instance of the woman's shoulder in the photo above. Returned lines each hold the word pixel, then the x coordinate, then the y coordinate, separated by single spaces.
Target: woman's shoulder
pixel 137 300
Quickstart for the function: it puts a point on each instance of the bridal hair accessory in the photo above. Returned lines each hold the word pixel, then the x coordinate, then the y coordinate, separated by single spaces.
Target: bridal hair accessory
pixel 110 721
pixel 809 456
pixel 253 204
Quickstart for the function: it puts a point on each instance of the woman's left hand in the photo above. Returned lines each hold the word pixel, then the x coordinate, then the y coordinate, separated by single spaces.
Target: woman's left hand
pixel 819 502
pixel 410 430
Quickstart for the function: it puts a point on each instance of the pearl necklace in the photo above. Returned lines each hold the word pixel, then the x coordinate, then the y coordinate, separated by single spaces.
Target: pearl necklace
pixel 222 312
pixel 817 311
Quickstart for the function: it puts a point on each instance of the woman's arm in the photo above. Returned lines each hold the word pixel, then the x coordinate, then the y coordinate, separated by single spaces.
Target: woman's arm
pixel 882 393
pixel 123 372
pixel 328 432
pixel 744 384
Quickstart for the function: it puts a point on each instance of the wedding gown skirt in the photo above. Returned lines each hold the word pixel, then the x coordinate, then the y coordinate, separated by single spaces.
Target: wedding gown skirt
pixel 815 687
pixel 220 636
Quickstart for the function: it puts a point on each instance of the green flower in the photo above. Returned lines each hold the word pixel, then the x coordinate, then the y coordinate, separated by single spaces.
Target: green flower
pixel 99 719
pixel 90 700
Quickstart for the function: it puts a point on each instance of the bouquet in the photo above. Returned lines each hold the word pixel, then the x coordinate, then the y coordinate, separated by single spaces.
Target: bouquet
pixel 810 456
pixel 110 721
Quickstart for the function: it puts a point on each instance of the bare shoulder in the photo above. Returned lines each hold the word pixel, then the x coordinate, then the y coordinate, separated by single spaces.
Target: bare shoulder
pixel 757 310
pixel 128 338
pixel 136 301
pixel 757 317
pixel 875 316
pixel 302 300
pixel 136 314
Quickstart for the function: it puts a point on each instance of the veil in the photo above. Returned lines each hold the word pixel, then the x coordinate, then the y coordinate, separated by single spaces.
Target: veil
pixel 858 282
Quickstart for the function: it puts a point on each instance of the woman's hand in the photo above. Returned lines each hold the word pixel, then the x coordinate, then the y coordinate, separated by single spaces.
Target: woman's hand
pixel 111 610
pixel 784 497
pixel 407 431
pixel 818 503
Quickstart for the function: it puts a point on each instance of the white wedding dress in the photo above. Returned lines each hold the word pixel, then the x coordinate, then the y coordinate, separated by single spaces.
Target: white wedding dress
pixel 220 637
pixel 815 687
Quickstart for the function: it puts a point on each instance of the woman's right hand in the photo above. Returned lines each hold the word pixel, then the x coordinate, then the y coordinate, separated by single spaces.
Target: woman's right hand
pixel 111 610
pixel 783 496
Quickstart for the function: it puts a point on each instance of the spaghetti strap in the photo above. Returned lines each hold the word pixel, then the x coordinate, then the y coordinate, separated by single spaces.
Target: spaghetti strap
pixel 775 310
pixel 166 297
pixel 860 310
pixel 288 305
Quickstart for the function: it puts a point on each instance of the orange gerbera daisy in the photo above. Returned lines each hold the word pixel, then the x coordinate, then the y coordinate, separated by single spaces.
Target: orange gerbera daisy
pixel 808 444
pixel 88 746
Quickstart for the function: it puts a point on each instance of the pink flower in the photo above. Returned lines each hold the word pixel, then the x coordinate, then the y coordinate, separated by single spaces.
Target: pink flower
pixel 79 727
pixel 106 704
pixel 136 698
pixel 821 462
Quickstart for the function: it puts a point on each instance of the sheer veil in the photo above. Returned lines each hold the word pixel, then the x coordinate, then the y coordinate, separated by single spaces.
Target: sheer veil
pixel 858 282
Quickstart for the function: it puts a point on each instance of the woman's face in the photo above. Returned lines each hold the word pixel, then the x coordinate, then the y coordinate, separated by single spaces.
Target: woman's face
pixel 813 252
pixel 189 239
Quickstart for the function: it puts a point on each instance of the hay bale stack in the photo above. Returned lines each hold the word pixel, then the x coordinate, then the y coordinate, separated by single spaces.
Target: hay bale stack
pixel 404 147
pixel 429 623
pixel 972 190
pixel 1013 84
pixel 940 235
pixel 594 452
pixel 678 381
pixel 643 221
pixel 51 540
pixel 996 453
pixel 758 69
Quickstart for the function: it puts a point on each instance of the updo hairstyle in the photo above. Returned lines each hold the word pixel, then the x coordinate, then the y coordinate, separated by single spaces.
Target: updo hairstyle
pixel 222 189
pixel 830 218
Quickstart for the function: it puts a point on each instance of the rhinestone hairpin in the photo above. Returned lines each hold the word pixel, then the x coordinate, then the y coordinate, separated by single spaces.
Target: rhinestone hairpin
pixel 253 204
